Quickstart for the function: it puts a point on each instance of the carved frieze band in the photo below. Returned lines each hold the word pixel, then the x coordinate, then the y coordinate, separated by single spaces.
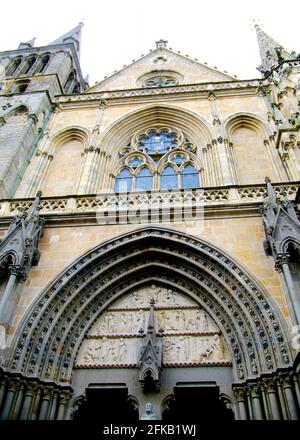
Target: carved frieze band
pixel 190 336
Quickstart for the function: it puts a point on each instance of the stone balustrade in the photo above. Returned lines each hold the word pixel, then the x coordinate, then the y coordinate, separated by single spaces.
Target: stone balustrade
pixel 150 200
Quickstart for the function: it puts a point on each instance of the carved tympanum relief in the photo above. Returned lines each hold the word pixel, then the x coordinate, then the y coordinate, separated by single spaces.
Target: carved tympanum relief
pixel 189 335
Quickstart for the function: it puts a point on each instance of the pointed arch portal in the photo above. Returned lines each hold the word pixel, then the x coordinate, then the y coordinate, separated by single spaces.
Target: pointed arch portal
pixel 50 335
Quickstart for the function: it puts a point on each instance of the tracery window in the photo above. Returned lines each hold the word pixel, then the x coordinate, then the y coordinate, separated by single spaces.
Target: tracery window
pixel 161 81
pixel 157 141
pixel 159 158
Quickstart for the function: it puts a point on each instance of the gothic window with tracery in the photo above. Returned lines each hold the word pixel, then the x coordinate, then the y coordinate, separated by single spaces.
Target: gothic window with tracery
pixel 159 158
pixel 157 141
pixel 161 81
pixel 123 181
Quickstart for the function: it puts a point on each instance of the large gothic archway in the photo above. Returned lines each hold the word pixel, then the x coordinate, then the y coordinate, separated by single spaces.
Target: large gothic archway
pixel 51 333
pixel 49 340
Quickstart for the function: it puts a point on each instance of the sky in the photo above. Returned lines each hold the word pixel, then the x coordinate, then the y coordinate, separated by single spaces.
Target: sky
pixel 116 32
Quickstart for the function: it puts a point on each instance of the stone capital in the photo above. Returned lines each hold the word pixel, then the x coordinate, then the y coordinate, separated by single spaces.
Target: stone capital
pixel 281 259
pixel 240 394
pixel 269 384
pixel 18 271
pixel 64 396
pixel 255 389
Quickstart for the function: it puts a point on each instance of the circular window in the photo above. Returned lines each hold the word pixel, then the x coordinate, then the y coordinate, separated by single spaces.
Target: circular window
pixel 161 81
pixel 160 78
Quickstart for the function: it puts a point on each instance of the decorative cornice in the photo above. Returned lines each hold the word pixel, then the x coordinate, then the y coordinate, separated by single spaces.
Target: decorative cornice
pixel 224 87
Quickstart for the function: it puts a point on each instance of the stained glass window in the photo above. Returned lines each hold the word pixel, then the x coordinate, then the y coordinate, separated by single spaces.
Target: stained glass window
pixel 123 181
pixel 160 82
pixel 157 142
pixel 169 178
pixel 144 180
pixel 189 177
pixel 135 162
pixel 178 159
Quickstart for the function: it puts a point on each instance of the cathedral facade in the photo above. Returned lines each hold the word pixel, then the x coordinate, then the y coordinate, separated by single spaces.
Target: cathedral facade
pixel 150 251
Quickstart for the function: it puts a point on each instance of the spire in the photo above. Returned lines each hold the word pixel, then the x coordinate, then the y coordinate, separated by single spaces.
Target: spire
pixel 271 52
pixel 150 355
pixel 27 44
pixel 73 36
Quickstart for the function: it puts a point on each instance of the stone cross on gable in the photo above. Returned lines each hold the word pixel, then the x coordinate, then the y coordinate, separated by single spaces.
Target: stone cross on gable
pixel 160 44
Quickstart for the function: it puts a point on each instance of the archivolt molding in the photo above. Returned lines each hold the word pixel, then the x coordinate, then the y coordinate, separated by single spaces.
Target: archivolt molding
pixel 49 336
pixel 249 120
pixel 73 132
pixel 121 131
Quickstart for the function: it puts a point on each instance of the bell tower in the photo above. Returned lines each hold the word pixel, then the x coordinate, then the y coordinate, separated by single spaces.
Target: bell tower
pixel 30 77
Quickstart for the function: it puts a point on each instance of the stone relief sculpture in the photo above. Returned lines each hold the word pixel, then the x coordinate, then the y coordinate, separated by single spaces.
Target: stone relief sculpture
pixel 189 335
pixel 162 296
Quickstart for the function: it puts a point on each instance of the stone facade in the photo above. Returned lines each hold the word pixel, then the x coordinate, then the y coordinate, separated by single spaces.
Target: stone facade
pixel 185 276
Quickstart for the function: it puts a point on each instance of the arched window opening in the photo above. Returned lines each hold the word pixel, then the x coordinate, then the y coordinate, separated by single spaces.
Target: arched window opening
pixel 13 67
pixel 44 62
pixel 76 88
pixel 144 180
pixel 189 177
pixel 169 178
pixel 21 88
pixel 29 65
pixel 70 81
pixel 161 81
pixel 123 181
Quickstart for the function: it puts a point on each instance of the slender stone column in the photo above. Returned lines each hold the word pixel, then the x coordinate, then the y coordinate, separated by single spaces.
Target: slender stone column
pixel 255 395
pixel 277 160
pixel 224 156
pixel 296 385
pixel 272 396
pixel 88 171
pixel 241 397
pixel 36 403
pixel 282 265
pixel 7 301
pixel 9 399
pixel 217 170
pixel 46 399
pixel 17 406
pixel 294 163
pixel 27 404
pixel 205 168
pixel 212 181
pixel 282 401
pixel 249 400
pixel 53 406
pixel 290 398
pixel 63 401
pixel 3 380
pixel 42 161
pixel 265 401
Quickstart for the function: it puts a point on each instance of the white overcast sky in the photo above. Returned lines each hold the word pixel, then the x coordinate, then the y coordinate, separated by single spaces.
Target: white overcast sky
pixel 115 32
